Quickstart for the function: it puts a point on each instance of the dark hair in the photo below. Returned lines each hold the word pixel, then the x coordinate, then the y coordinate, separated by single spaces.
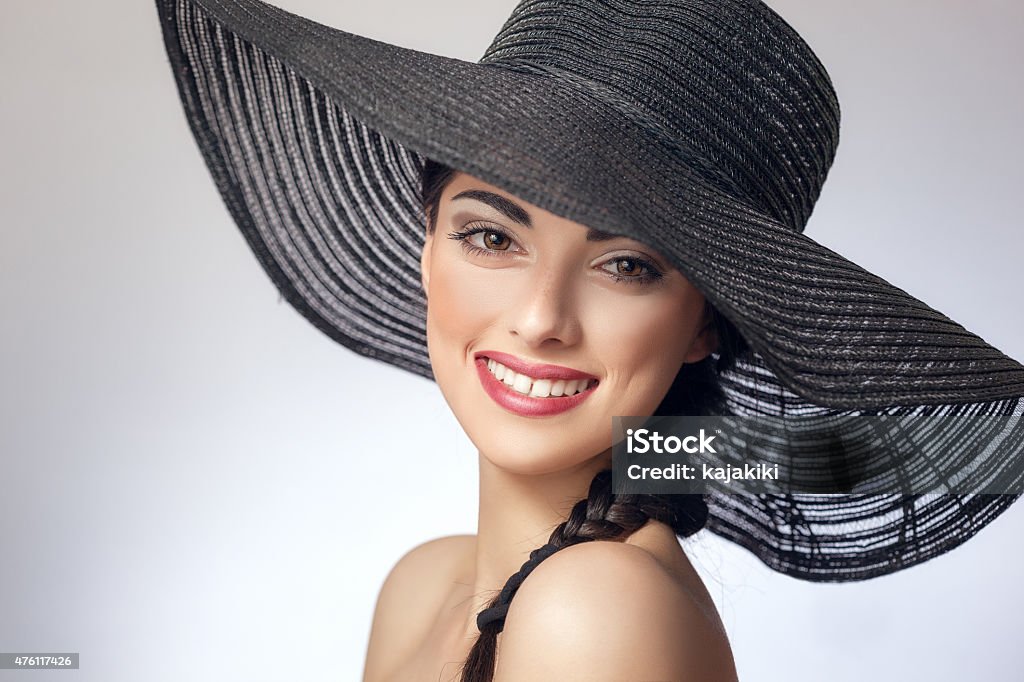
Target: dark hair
pixel 604 515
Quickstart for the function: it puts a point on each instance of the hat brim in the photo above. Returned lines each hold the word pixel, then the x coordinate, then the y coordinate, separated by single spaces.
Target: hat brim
pixel 315 137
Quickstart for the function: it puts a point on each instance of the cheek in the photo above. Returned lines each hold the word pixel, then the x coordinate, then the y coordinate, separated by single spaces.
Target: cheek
pixel 454 308
pixel 461 307
pixel 642 341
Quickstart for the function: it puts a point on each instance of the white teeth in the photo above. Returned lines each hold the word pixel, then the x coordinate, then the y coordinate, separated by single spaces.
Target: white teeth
pixel 536 388
pixel 541 388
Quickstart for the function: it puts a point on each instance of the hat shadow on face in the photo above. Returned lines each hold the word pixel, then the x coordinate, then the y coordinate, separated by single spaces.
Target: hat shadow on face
pixel 695 389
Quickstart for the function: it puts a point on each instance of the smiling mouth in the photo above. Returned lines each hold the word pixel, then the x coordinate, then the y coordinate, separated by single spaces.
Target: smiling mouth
pixel 537 388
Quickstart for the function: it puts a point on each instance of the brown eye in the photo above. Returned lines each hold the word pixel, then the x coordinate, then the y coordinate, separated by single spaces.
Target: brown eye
pixel 496 241
pixel 632 270
pixel 483 241
pixel 629 267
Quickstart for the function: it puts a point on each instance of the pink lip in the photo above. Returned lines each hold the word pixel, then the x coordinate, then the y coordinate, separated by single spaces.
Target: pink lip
pixel 523 405
pixel 518 366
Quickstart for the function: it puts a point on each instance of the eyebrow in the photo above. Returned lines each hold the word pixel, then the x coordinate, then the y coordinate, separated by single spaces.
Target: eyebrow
pixel 517 213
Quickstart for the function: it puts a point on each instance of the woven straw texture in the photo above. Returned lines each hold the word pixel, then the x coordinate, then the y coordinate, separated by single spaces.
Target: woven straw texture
pixel 703 127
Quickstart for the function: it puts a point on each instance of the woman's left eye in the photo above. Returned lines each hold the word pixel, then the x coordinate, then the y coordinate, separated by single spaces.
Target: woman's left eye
pixel 631 269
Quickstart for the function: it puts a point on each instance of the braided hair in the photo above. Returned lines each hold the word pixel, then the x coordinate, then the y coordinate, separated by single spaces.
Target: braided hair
pixel 603 515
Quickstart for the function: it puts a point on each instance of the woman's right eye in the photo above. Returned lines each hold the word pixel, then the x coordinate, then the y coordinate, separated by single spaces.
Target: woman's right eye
pixel 492 240
pixel 484 240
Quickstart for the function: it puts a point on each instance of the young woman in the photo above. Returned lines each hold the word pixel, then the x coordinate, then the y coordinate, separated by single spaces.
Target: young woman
pixel 540 330
pixel 609 206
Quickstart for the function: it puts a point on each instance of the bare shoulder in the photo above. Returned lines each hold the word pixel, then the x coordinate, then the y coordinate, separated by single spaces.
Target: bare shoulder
pixel 610 611
pixel 413 590
pixel 438 558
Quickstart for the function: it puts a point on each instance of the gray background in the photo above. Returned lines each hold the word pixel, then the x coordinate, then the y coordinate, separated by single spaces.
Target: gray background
pixel 197 484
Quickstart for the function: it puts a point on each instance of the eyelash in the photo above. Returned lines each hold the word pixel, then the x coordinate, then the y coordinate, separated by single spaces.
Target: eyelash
pixel 651 275
pixel 464 235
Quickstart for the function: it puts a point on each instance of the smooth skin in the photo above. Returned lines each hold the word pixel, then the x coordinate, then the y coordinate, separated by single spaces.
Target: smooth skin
pixel 551 291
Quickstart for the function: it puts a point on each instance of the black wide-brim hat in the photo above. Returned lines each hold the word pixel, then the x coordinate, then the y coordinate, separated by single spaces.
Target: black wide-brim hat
pixel 704 128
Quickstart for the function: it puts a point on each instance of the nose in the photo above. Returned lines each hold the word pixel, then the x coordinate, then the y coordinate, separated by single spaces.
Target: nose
pixel 546 314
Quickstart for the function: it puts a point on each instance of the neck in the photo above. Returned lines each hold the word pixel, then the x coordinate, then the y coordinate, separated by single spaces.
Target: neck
pixel 517 514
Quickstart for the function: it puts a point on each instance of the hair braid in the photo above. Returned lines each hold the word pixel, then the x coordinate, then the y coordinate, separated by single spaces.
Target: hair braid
pixel 603 515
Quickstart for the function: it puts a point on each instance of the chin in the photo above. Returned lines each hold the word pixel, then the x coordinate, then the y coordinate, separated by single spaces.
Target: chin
pixel 542 447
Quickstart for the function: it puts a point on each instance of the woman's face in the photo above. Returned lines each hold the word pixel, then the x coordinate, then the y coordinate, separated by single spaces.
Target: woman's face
pixel 525 307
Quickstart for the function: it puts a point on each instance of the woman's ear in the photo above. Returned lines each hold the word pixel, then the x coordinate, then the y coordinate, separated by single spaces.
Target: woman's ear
pixel 425 262
pixel 706 341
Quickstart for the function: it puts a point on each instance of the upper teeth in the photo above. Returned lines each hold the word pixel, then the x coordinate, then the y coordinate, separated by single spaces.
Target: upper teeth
pixel 537 388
